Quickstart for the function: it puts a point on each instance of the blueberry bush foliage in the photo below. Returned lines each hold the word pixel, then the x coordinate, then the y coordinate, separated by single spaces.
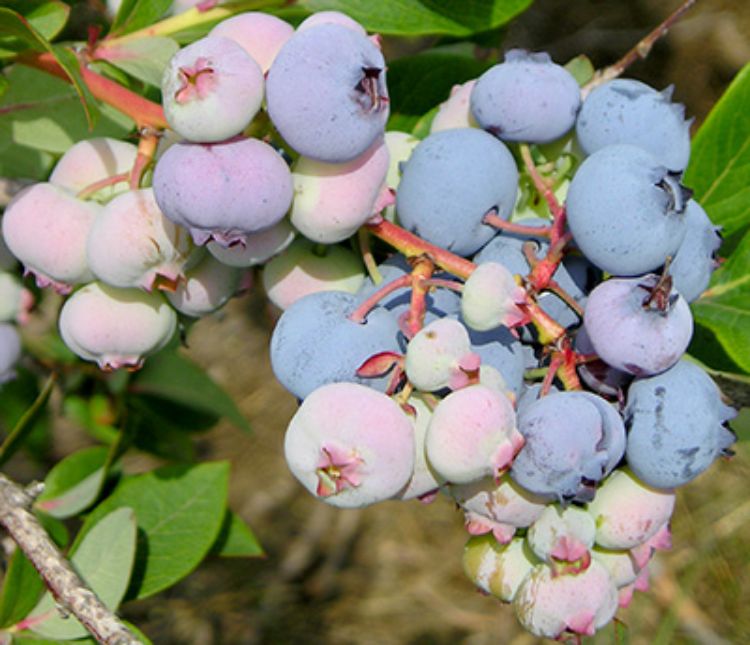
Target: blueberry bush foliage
pixel 502 280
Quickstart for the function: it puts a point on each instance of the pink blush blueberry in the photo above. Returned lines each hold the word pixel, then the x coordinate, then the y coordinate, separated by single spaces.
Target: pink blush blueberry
pixel 350 446
pixel 549 605
pixel 116 328
pixel 472 434
pixel 46 228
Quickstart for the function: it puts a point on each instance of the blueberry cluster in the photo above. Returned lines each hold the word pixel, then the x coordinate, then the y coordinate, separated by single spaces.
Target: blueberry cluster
pixel 521 354
pixel 584 256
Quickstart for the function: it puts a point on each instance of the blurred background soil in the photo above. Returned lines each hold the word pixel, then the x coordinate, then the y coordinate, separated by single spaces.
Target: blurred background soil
pixel 391 574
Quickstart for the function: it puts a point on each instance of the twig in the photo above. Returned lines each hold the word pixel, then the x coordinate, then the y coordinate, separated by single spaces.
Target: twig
pixel 639 52
pixel 58 575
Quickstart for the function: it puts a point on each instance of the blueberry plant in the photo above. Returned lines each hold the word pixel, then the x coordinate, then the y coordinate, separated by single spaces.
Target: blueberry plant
pixel 488 293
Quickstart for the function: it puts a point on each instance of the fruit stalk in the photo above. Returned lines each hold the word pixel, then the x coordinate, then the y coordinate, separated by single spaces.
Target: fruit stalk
pixel 411 245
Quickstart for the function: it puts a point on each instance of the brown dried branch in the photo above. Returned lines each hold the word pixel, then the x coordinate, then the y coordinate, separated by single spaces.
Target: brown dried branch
pixel 63 582
pixel 639 52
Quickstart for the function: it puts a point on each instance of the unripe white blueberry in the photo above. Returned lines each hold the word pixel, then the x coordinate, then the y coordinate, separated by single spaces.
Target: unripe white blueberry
pixel 455 111
pixel 116 327
pixel 258 247
pixel 132 244
pixel 400 146
pixel 10 351
pixel 305 268
pixel 15 300
pixel 211 90
pixel 424 481
pixel 490 298
pixel 499 507
pixel 440 356
pixel 621 565
pixel 498 569
pixel 563 535
pixel 207 286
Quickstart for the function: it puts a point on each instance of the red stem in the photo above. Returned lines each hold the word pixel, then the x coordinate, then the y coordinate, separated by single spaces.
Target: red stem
pixel 89 190
pixel 543 188
pixel 512 227
pixel 418 305
pixel 569 300
pixel 411 246
pixel 360 313
pixel 146 151
pixel 144 112
pixel 445 284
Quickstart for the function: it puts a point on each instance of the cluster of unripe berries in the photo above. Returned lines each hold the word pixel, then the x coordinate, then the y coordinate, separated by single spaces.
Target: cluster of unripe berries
pixel 415 385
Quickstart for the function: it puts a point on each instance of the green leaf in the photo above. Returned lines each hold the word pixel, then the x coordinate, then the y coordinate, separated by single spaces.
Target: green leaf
pixel 93 415
pixel 416 17
pixel 15 25
pixel 135 14
pixel 142 58
pixel 22 587
pixel 48 17
pixel 416 84
pixel 74 483
pixel 104 559
pixel 179 510
pixel 157 433
pixel 581 68
pixel 719 169
pixel 40 113
pixel 236 539
pixel 170 375
pixel 725 306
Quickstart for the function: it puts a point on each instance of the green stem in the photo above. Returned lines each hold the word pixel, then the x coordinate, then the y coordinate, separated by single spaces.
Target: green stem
pixel 25 424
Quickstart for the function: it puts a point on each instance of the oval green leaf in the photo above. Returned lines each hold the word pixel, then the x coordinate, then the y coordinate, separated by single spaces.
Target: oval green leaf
pixel 725 306
pixel 719 169
pixel 74 483
pixel 179 510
